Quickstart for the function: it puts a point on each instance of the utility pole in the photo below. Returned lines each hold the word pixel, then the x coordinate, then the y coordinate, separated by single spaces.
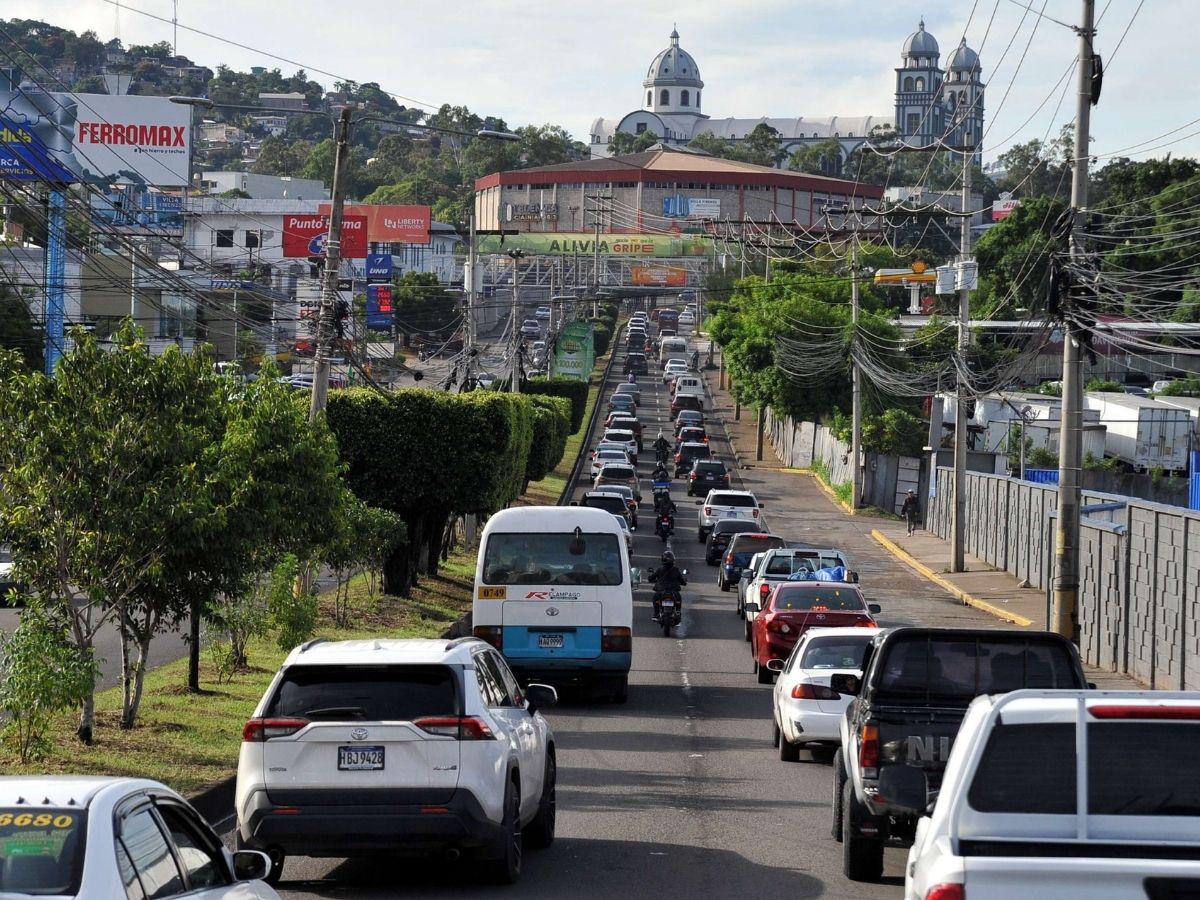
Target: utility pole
pixel 333 261
pixel 1065 600
pixel 856 383
pixel 469 285
pixel 958 531
pixel 597 211
pixel 514 332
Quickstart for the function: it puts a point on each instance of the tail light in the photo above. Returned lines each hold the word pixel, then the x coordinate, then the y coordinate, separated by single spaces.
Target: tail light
pixel 691 476
pixel 947 892
pixel 708 510
pixel 866 622
pixel 778 626
pixel 257 731
pixel 1144 712
pixel 754 513
pixel 729 559
pixel 463 728
pixel 616 640
pixel 806 690
pixel 493 634
pixel 868 749
pixel 763 591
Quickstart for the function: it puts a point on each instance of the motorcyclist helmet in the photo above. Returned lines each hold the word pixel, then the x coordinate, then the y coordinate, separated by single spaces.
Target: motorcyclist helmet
pixel 668 558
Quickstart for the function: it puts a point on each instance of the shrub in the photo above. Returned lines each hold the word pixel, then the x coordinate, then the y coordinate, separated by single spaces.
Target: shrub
pixel 574 391
pixel 40 674
pixel 1041 458
pixel 601 336
pixel 1103 384
pixel 293 612
pixel 1182 387
pixel 552 419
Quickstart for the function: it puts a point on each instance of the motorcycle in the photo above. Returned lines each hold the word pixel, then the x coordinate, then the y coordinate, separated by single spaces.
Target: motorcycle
pixel 668 609
pixel 661 456
pixel 664 526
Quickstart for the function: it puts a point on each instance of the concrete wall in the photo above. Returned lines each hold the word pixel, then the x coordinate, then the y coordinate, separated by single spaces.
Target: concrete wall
pixel 1139 569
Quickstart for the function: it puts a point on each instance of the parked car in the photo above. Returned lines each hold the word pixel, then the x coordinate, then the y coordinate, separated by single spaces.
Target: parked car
pixel 485 379
pixel 100 837
pixel 725 505
pixel 916 686
pixel 806 711
pixel 741 548
pixel 1015 782
pixel 445 720
pixel 705 475
pixel 794 607
pixel 721 534
pixel 688 453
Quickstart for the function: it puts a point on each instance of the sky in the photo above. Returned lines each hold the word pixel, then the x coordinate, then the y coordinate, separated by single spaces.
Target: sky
pixel 533 62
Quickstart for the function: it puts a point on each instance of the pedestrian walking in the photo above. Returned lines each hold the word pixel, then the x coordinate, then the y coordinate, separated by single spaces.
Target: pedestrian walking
pixel 909 509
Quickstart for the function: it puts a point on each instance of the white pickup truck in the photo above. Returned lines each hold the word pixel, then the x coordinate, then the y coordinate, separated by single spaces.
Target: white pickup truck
pixel 1062 794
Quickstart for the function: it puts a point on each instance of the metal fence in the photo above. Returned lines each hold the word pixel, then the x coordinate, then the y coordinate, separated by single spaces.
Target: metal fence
pixel 1139 596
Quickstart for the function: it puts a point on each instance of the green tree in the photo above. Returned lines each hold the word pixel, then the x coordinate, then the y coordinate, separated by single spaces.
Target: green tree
pixel 623 143
pixel 423 304
pixel 278 156
pixel 1014 259
pixel 763 146
pixel 824 158
pixel 17 329
pixel 712 145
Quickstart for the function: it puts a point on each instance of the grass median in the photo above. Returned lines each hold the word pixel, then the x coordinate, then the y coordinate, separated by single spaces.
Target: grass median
pixel 190 741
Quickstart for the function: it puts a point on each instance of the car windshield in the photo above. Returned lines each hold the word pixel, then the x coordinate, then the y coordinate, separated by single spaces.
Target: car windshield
pixel 617 471
pixel 733 526
pixel 791 563
pixel 614 455
pixel 365 693
pixel 41 850
pixel 732 500
pixel 607 502
pixel 847 652
pixel 552 558
pixel 956 669
pixel 823 599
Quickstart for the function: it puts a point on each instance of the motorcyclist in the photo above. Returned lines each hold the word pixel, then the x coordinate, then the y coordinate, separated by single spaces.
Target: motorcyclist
pixel 661 446
pixel 668 581
pixel 661 473
pixel 632 379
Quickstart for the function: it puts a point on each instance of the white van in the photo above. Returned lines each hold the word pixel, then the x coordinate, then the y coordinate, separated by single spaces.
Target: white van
pixel 672 346
pixel 689 384
pixel 554 594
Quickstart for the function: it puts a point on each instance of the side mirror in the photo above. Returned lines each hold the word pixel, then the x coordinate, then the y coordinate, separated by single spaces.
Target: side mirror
pixel 904 786
pixel 574 502
pixel 752 606
pixel 845 684
pixel 762 506
pixel 775 665
pixel 251 865
pixel 539 696
pixel 746 575
pixel 699 502
pixel 874 607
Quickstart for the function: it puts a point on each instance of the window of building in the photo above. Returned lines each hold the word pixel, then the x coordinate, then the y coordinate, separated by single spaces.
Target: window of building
pixel 697 99
pixel 912 123
pixel 665 98
pixel 225 237
pixel 908 83
pixel 649 98
pixel 253 240
pixel 640 128
pixel 920 84
pixel 685 98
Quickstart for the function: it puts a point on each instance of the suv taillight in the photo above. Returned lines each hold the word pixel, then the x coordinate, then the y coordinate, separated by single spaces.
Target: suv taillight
pixel 868 749
pixel 463 728
pixel 754 513
pixel 256 731
pixel 729 559
pixel 691 476
pixel 616 640
pixel 493 634
pixel 947 892
pixel 708 510
pixel 763 590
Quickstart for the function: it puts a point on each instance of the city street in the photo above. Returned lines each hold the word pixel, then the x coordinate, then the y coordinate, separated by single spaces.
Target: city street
pixel 679 791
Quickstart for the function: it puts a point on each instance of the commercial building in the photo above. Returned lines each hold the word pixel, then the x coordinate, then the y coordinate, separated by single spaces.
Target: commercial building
pixel 264 187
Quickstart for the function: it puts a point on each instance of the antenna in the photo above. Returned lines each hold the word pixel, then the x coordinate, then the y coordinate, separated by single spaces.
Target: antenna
pixel 117 20
pixel 175 27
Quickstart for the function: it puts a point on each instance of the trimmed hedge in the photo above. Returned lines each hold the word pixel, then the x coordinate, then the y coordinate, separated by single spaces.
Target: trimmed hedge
pixel 602 335
pixel 551 426
pixel 574 391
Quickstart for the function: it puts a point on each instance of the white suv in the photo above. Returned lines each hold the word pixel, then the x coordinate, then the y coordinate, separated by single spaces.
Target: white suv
pixel 369 747
pixel 722 504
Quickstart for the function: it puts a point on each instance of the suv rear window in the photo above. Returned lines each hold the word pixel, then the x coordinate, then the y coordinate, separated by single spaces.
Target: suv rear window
pixel 956 670
pixel 607 502
pixel 393 693
pixel 616 470
pixel 732 500
pixel 711 468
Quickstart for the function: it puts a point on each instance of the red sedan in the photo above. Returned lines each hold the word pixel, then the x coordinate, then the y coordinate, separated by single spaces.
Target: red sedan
pixel 793 607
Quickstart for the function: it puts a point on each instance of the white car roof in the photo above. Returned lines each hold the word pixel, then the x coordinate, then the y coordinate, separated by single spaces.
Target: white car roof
pixel 730 491
pixel 381 650
pixel 82 791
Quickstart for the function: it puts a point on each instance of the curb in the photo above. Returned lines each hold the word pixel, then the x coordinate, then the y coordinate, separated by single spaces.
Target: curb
pixel 954 590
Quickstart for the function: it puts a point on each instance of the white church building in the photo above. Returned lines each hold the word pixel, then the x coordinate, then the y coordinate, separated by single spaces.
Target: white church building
pixel 672 107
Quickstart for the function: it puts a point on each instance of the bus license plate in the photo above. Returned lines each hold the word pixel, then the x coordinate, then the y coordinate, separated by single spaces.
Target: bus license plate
pixel 550 641
pixel 360 759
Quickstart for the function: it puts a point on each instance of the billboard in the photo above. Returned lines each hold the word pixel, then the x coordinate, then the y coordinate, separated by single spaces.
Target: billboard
pixel 679 207
pixel 574 352
pixel 96 138
pixel 658 276
pixel 1004 206
pixel 390 223
pixel 305 235
pixel 134 210
pixel 379 306
pixel 379 267
pixel 568 243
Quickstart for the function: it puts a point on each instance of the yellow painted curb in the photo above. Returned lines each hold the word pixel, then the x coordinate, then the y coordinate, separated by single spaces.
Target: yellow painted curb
pixel 903 555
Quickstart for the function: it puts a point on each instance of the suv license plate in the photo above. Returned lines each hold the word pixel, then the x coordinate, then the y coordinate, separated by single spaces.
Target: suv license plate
pixel 550 641
pixel 360 759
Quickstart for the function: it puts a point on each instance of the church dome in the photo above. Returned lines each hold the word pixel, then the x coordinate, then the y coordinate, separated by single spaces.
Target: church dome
pixel 673 66
pixel 965 59
pixel 920 43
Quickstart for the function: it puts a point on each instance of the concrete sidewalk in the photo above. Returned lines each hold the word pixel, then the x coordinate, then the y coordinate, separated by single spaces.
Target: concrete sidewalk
pixel 982 587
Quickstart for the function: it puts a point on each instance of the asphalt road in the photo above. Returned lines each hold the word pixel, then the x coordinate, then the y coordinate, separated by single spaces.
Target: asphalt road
pixel 679 793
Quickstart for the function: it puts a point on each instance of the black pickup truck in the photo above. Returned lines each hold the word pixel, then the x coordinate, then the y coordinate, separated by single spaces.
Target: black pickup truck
pixel 912 697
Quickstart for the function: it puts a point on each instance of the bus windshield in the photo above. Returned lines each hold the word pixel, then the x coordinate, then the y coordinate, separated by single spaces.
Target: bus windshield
pixel 552 558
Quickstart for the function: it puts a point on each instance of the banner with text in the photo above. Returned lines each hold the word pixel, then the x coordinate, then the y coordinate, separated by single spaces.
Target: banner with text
pixel 390 223
pixel 379 306
pixel 305 235
pixel 568 243
pixel 575 352
pixel 658 276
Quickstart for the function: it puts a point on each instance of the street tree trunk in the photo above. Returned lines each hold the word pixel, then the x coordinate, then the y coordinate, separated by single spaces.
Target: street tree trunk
pixel 193 675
